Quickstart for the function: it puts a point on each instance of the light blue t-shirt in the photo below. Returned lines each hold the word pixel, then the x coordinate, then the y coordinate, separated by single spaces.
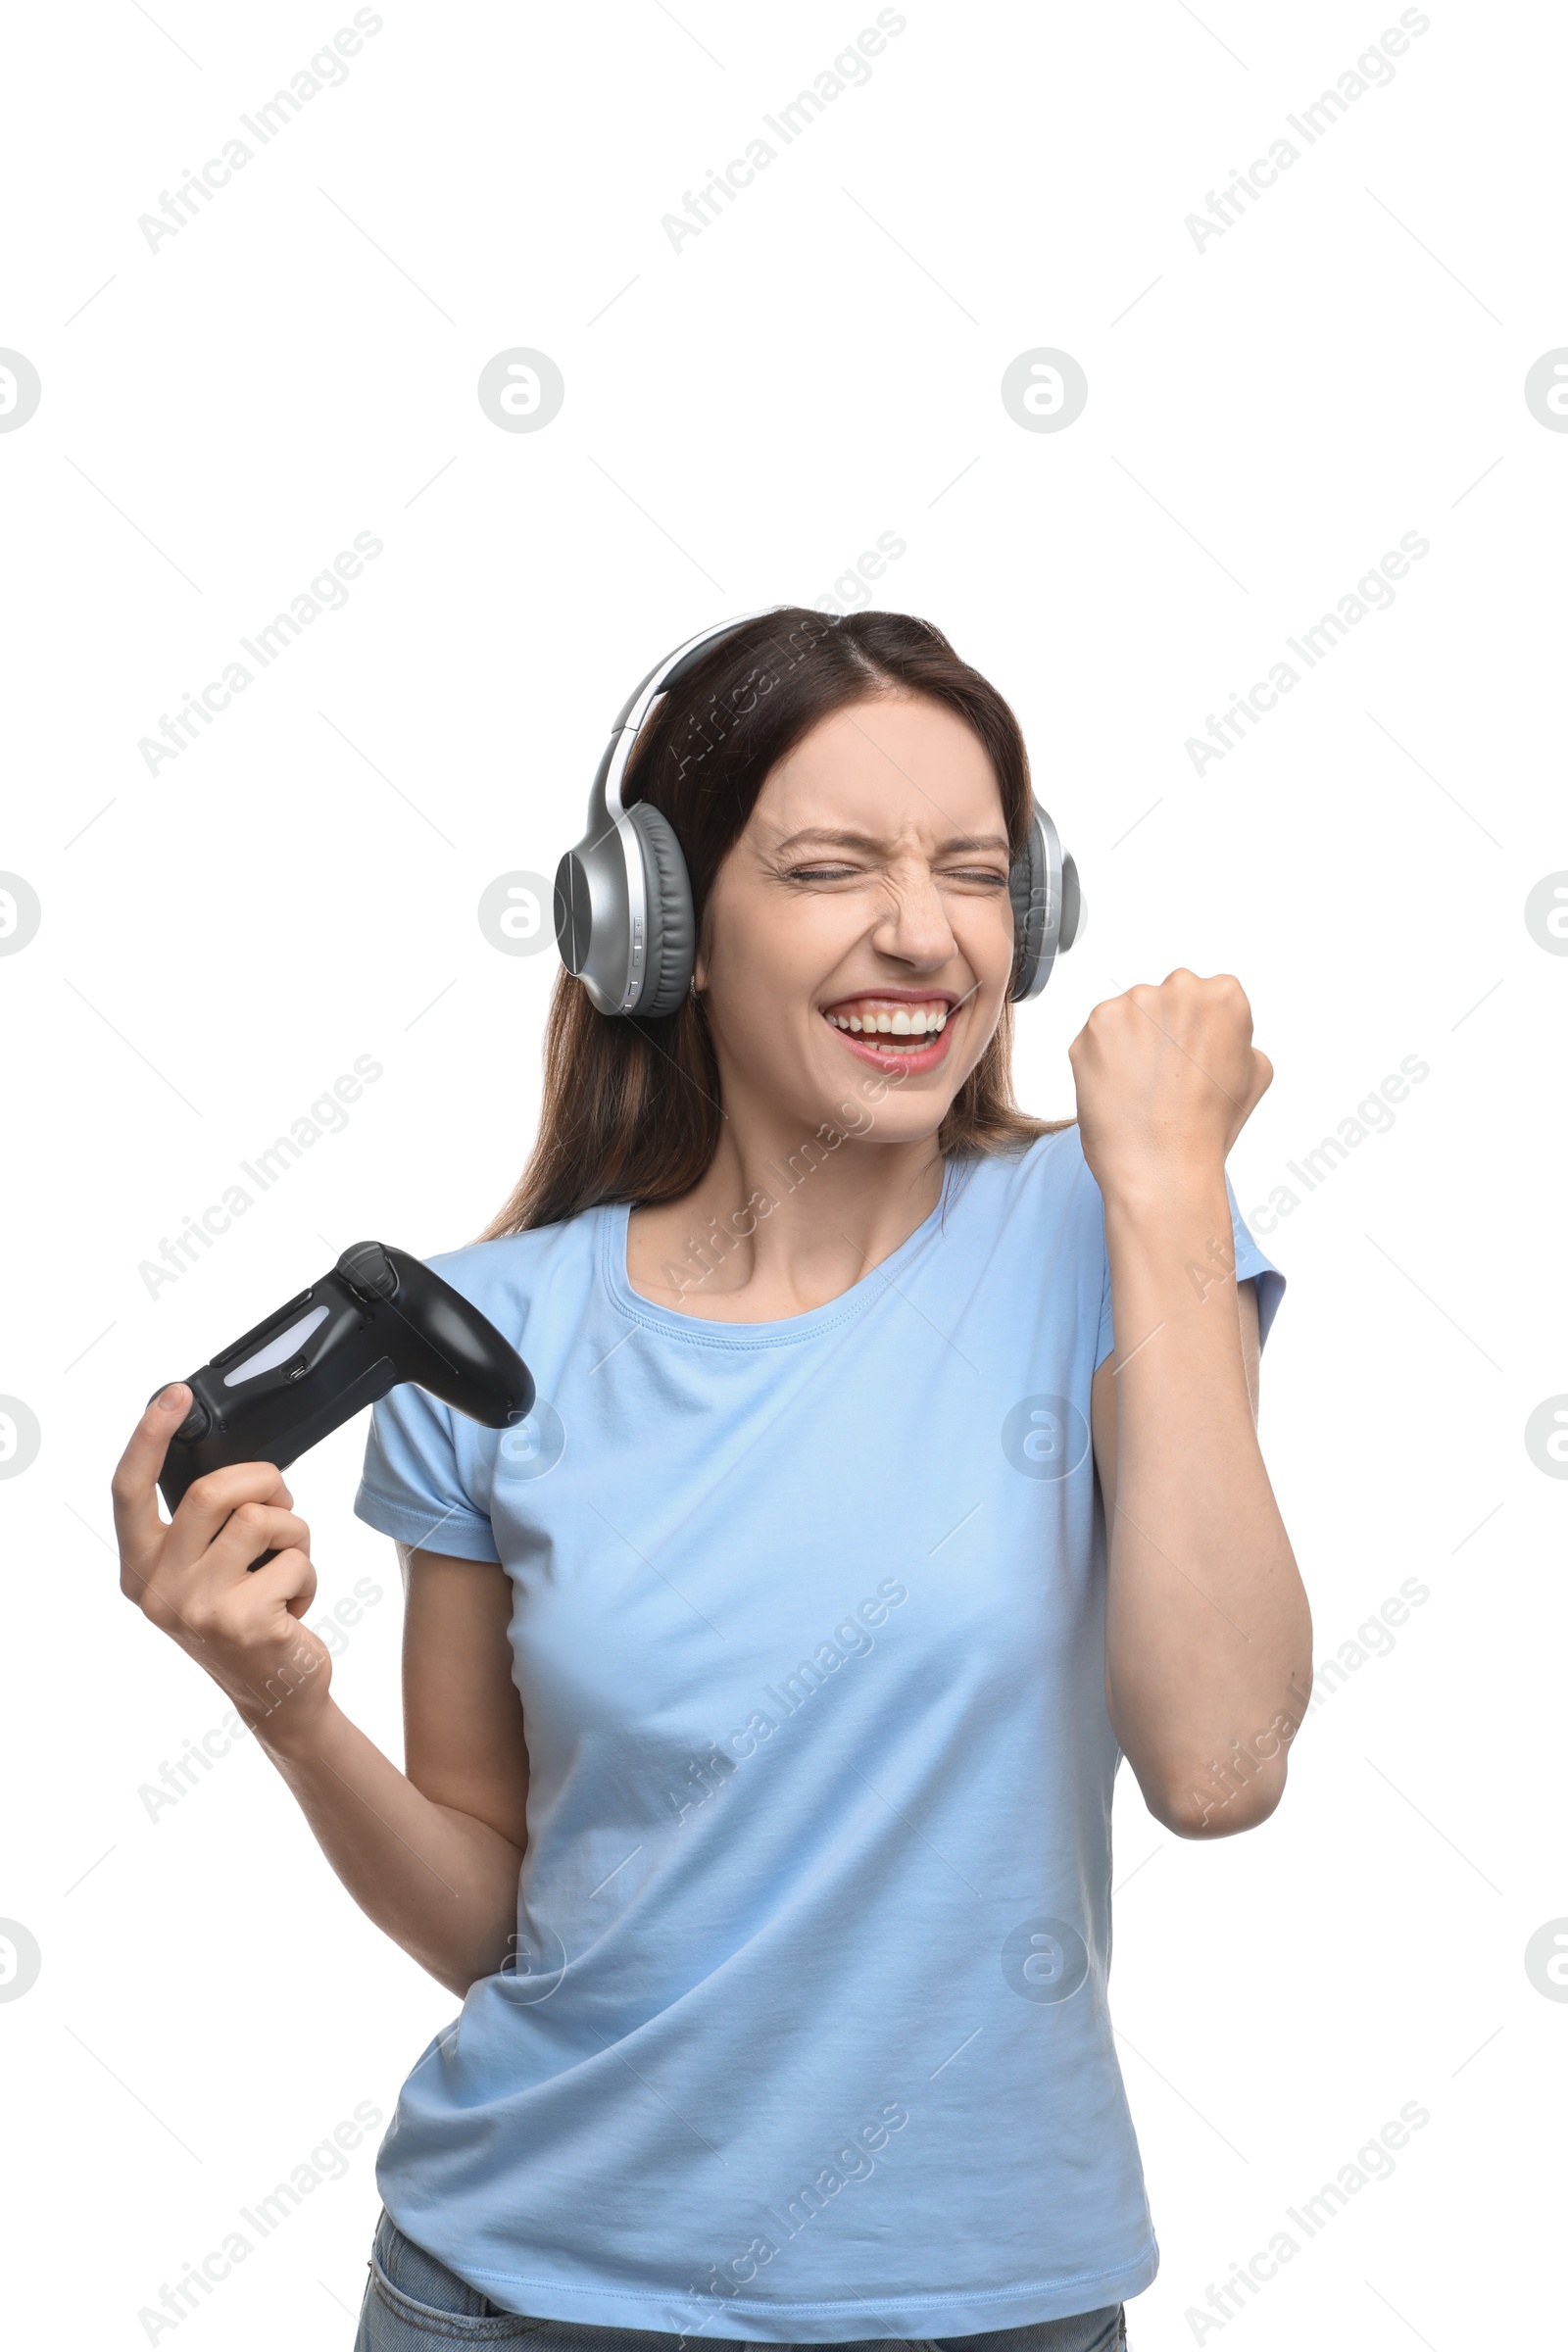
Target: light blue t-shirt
pixel 806 2036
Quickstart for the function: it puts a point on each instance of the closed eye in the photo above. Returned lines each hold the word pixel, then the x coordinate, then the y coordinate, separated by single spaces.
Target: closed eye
pixel 982 875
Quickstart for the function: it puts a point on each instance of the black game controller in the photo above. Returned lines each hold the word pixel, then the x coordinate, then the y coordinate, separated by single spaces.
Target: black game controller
pixel 380 1318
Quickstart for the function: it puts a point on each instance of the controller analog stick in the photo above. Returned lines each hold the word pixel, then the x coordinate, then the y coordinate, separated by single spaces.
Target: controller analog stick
pixel 368 1271
pixel 197 1422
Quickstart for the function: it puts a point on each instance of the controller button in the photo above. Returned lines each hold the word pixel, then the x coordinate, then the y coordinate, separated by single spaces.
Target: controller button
pixel 195 1425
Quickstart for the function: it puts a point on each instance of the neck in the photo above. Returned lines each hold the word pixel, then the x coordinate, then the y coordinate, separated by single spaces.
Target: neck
pixel 785 1218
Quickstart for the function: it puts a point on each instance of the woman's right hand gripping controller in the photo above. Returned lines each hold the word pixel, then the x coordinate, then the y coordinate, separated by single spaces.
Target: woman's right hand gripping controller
pixel 192 1576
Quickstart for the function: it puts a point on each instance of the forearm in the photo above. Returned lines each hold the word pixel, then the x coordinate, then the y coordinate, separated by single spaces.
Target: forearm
pixel 1208 1628
pixel 440 1882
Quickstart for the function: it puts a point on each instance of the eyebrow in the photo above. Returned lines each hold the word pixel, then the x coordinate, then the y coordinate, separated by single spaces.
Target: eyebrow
pixel 868 841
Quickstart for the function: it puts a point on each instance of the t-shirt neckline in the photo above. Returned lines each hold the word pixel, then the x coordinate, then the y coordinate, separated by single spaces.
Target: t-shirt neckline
pixel 782 1331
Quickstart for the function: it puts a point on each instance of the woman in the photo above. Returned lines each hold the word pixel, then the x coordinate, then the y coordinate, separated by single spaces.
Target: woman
pixel 764 1694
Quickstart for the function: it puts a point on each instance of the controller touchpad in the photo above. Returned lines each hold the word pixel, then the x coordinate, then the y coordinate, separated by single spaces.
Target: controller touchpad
pixel 278 1351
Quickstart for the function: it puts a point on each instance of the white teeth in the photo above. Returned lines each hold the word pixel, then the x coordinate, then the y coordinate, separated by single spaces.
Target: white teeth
pixel 905 1022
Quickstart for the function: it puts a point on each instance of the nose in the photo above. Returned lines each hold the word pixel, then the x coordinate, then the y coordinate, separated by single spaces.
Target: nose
pixel 912 926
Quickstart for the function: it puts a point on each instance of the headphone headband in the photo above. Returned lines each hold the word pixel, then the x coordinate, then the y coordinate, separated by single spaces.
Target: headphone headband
pixel 605 800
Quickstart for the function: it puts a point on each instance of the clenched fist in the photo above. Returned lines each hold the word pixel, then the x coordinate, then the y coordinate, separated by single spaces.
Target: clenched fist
pixel 1167 1077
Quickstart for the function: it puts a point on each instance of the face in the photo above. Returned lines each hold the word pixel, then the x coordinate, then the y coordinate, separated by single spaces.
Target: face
pixel 857 940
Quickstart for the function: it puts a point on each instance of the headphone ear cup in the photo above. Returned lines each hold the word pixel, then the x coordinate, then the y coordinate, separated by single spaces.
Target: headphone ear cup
pixel 1027 877
pixel 670 934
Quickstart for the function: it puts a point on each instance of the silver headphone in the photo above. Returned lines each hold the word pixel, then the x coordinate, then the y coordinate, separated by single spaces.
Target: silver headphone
pixel 623 899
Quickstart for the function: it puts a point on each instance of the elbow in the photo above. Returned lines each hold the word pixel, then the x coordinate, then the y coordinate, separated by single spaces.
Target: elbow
pixel 459 1971
pixel 1189 1810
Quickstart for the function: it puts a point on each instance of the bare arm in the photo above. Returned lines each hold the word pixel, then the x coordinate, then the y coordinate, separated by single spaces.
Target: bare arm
pixel 1207 1628
pixel 432 1855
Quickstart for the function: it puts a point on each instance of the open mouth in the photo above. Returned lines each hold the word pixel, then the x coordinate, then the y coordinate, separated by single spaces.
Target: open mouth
pixel 900 1031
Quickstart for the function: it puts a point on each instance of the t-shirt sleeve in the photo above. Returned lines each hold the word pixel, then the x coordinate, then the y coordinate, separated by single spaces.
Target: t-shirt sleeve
pixel 1251 1266
pixel 411 1487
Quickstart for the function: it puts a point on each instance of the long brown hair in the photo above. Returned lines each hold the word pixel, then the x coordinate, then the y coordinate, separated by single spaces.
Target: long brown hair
pixel 630 1109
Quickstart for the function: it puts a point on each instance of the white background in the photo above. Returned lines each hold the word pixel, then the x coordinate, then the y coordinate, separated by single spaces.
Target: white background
pixel 1266 415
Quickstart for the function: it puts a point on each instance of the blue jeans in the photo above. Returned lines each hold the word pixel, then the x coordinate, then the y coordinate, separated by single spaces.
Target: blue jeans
pixel 414 2303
